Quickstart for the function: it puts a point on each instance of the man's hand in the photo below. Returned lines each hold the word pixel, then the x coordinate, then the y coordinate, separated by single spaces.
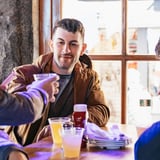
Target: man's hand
pixel 17 155
pixel 45 132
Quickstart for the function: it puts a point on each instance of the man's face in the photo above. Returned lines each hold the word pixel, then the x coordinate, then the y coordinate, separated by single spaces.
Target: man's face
pixel 67 48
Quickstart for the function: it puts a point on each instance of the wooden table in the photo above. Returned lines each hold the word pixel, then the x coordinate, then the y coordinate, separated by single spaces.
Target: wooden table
pixel 45 150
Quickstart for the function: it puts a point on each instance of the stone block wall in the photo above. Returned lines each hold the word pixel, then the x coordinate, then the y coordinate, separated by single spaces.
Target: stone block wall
pixel 16 35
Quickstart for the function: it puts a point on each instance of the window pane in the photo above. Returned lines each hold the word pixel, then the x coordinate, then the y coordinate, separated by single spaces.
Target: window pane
pixel 110 78
pixel 103 28
pixel 144 26
pixel 143 92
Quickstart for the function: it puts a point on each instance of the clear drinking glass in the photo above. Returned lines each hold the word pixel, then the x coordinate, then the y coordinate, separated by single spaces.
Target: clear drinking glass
pixel 56 125
pixel 42 76
pixel 71 141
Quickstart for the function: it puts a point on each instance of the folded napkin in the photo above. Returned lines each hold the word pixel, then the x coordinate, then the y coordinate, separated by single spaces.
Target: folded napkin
pixel 95 132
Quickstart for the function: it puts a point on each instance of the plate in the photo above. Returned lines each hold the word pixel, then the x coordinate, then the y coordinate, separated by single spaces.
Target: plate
pixel 110 144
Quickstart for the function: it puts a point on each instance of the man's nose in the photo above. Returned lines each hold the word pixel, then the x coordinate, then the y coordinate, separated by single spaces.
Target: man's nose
pixel 66 48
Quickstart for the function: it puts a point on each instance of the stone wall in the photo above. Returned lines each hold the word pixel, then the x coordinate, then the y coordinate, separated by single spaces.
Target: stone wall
pixel 16 36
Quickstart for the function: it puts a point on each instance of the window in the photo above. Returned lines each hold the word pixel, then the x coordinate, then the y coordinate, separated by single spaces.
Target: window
pixel 121 37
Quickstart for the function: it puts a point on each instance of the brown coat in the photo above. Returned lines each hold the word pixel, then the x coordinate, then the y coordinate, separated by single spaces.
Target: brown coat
pixel 84 87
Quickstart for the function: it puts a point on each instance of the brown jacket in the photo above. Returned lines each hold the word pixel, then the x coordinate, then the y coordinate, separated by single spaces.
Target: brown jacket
pixel 84 87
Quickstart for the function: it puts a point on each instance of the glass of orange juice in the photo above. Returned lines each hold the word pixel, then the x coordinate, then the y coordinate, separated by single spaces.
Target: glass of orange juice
pixel 56 125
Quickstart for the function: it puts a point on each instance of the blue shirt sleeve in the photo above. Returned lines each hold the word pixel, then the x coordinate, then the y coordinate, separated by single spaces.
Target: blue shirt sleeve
pixel 147 146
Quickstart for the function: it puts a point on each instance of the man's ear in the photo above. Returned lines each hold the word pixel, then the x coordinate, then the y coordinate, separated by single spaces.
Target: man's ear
pixel 50 43
pixel 83 48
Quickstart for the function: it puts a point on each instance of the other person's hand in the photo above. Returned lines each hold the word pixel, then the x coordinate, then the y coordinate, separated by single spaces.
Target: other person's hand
pixel 49 85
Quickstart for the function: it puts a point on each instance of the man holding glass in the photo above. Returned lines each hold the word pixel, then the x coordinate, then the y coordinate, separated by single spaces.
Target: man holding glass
pixel 79 83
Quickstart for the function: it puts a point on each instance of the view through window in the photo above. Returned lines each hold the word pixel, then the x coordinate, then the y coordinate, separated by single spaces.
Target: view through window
pixel 132 63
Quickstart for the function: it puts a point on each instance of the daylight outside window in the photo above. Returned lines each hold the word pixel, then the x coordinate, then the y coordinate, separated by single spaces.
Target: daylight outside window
pixel 104 32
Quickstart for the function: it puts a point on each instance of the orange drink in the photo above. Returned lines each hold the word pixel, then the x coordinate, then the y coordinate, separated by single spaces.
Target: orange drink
pixel 56 125
pixel 71 141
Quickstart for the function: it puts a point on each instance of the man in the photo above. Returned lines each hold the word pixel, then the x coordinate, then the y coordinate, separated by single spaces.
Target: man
pixel 79 83
pixel 23 107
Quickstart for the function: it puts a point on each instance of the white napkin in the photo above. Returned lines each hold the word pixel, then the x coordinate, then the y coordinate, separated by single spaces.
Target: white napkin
pixel 95 132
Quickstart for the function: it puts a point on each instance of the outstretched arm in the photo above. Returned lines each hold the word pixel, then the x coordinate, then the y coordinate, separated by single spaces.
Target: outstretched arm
pixel 27 106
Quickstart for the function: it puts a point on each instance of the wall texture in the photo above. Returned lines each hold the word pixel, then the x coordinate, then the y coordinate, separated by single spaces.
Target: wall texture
pixel 16 36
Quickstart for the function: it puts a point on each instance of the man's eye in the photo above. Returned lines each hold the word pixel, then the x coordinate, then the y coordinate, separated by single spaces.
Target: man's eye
pixel 61 42
pixel 74 44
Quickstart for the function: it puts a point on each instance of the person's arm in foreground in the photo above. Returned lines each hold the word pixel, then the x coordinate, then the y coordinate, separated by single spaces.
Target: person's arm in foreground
pixel 10 150
pixel 25 107
pixel 148 144
pixel 14 107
